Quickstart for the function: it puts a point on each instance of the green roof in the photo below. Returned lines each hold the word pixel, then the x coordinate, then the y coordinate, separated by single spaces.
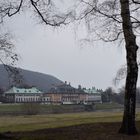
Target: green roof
pixel 23 90
pixel 91 90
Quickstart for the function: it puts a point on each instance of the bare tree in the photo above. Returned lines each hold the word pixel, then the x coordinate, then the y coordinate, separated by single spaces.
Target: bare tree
pixel 8 57
pixel 108 20
pixel 46 10
pixel 113 20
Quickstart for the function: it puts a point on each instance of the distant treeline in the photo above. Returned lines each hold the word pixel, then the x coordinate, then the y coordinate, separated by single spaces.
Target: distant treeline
pixel 110 96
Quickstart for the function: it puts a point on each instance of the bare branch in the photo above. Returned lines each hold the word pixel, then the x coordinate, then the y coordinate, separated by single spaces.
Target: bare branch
pixel 121 74
pixel 50 22
pixel 109 39
pixel 95 9
pixel 135 1
pixel 8 58
pixel 17 9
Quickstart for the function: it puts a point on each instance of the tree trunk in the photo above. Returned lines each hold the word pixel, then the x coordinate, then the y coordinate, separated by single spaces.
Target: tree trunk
pixel 128 123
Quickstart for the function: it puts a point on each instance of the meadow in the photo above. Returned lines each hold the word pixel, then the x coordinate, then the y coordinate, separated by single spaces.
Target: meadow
pixel 68 126
pixel 101 124
pixel 35 122
pixel 17 109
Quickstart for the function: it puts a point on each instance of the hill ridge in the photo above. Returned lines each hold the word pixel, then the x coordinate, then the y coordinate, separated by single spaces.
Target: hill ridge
pixel 32 78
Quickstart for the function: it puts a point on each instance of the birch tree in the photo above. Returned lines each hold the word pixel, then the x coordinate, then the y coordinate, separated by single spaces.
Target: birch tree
pixel 117 20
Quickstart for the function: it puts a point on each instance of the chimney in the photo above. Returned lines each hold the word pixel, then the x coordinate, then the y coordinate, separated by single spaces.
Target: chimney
pixel 79 87
pixel 65 82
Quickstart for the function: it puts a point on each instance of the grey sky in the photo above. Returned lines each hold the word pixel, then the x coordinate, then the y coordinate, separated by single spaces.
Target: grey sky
pixel 57 52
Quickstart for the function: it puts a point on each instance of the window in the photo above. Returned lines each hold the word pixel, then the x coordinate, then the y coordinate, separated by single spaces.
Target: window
pixel 16 99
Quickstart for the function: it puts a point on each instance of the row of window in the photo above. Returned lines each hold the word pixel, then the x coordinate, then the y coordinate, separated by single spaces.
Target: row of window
pixel 70 96
pixel 27 91
pixel 31 99
pixel 31 94
pixel 27 99
pixel 69 99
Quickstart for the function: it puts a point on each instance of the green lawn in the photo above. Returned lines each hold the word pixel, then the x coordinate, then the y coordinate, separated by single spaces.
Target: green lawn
pixel 9 107
pixel 108 106
pixel 13 109
pixel 70 126
pixel 29 123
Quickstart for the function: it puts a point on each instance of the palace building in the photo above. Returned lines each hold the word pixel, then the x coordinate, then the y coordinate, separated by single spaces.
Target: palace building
pixel 24 95
pixel 93 95
pixel 66 94
pixel 60 94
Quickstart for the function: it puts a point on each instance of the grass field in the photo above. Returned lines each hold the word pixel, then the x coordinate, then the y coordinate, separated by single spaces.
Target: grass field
pixel 16 109
pixel 71 126
pixel 63 126
pixel 29 123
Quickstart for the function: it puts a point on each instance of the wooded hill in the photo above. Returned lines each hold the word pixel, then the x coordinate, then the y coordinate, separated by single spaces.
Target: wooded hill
pixel 42 81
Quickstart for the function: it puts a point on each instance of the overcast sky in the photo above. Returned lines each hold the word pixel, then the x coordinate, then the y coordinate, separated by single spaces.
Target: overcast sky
pixel 58 52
